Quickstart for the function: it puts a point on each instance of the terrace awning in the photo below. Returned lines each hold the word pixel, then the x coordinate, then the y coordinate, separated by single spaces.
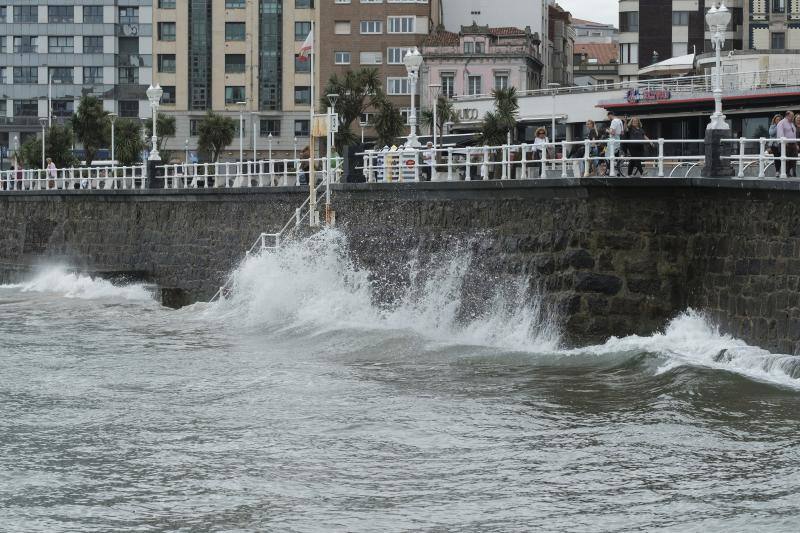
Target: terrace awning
pixel 670 67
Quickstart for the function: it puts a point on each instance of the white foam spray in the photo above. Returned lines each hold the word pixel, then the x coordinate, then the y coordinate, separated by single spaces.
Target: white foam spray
pixel 58 280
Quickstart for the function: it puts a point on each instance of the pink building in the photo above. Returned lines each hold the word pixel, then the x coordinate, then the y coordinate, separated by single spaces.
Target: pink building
pixel 479 59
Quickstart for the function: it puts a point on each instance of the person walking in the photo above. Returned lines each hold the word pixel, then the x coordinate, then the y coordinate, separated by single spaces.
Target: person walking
pixel 52 173
pixel 796 145
pixel 636 149
pixel 616 129
pixel 787 130
pixel 539 148
pixel 428 156
pixel 774 147
pixel 594 150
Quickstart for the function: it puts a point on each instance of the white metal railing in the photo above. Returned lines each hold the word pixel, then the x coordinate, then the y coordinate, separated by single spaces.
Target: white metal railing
pixel 762 153
pixel 78 178
pixel 562 159
pixel 733 81
pixel 272 173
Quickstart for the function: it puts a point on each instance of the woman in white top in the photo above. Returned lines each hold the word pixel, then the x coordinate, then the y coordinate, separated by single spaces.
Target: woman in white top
pixel 539 147
pixel 52 172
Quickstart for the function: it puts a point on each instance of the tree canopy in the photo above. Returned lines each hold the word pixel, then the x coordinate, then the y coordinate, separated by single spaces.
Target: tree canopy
pixel 497 124
pixel 128 142
pixel 215 133
pixel 58 147
pixel 91 125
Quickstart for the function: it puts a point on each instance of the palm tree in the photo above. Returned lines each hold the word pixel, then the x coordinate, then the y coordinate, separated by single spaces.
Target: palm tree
pixel 498 124
pixel 445 112
pixel 91 126
pixel 128 142
pixel 165 127
pixel 388 122
pixel 215 132
pixel 357 91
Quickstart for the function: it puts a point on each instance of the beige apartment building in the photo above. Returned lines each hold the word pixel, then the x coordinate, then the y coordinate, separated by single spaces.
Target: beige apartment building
pixel 235 57
pixel 375 34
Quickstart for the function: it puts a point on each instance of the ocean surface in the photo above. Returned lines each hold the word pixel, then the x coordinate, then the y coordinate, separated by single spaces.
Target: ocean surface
pixel 298 404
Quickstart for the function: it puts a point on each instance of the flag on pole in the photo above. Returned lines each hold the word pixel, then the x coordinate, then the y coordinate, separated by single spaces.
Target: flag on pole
pixel 308 47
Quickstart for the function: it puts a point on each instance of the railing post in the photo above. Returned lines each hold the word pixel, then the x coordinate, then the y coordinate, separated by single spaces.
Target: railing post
pixel 416 164
pixel 543 168
pixel 612 159
pixel 741 156
pixel 563 159
pixel 297 172
pixel 369 164
pixel 297 216
pixel 661 157
pixel 783 157
pixel 587 157
pixel 762 147
pixel 523 156
pixel 484 163
pixel 450 164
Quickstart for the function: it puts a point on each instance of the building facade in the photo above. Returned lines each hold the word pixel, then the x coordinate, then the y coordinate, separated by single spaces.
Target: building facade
pixel 375 34
pixel 773 24
pixel 496 14
pixel 68 49
pixel 479 59
pixel 237 58
pixel 560 46
pixel 595 64
pixel 587 31
pixel 645 38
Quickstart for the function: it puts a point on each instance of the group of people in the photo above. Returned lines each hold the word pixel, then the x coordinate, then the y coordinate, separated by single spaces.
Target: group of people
pixel 15 179
pixel 786 127
pixel 605 140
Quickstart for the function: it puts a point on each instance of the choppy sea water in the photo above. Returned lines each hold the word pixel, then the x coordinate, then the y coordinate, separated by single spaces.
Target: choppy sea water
pixel 300 405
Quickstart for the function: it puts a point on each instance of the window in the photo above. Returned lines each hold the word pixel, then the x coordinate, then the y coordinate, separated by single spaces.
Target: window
pixel 166 63
pixel 128 15
pixel 60 14
pixel 398 86
pixel 166 31
pixel 472 47
pixel 473 85
pixel 302 95
pixel 269 125
pixel 301 128
pixel 27 14
pixel 234 31
pixel 448 81
pixel 3 16
pixel 92 75
pixel 166 4
pixel 778 41
pixel 169 94
pixel 341 27
pixel 234 94
pixel 394 55
pixel 301 30
pixel 629 21
pixel 301 64
pixel 24 44
pixel 234 4
pixel 341 1
pixel 371 26
pixel 93 14
pixel 304 4
pixel 370 58
pixel 234 63
pixel 3 79
pixel 400 24
pixel 679 49
pixel 341 58
pixel 26 75
pixel 128 75
pixel 26 108
pixel 194 125
pixel 779 6
pixel 680 18
pixel 62 75
pixel 60 45
pixel 405 112
pixel 93 44
pixel 366 119
pixel 128 108
pixel 63 108
pixel 629 53
pixel 501 81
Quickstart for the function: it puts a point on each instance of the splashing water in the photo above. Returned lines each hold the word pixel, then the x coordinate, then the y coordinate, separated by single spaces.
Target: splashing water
pixel 58 280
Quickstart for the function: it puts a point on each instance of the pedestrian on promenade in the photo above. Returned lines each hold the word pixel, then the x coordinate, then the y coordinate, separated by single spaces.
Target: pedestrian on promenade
pixel 616 129
pixel 20 172
pixel 594 150
pixel 428 156
pixel 539 148
pixel 636 149
pixel 795 144
pixel 52 173
pixel 787 130
pixel 774 147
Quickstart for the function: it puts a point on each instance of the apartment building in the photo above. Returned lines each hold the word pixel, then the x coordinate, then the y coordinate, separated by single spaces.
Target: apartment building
pixel 560 45
pixel 375 34
pixel 237 58
pixel 67 49
pixel 496 14
pixel 773 24
pixel 587 31
pixel 645 38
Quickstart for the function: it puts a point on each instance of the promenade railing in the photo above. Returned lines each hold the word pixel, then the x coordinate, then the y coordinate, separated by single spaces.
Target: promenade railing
pixel 80 178
pixel 755 157
pixel 562 159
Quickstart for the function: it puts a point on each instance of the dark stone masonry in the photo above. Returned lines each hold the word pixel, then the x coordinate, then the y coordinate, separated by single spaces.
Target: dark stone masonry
pixel 611 256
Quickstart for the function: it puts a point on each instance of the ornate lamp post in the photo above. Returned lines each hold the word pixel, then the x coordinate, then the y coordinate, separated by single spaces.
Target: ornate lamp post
pixel 436 90
pixel 154 95
pixel 113 118
pixel 43 121
pixel 412 61
pixel 718 20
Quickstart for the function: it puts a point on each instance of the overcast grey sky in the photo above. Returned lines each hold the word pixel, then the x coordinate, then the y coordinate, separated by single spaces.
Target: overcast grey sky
pixel 606 11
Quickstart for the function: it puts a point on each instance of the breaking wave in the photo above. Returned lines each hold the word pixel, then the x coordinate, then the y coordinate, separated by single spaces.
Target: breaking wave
pixel 58 280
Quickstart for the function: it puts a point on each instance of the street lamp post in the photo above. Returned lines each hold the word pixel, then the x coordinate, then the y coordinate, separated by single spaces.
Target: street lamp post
pixel 255 137
pixel 113 118
pixel 241 132
pixel 43 121
pixel 718 20
pixel 554 86
pixel 154 95
pixel 412 61
pixel 186 151
pixel 269 142
pixel 295 148
pixel 332 117
pixel 435 90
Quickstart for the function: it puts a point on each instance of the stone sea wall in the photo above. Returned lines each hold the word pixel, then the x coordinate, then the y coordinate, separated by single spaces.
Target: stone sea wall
pixel 611 256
